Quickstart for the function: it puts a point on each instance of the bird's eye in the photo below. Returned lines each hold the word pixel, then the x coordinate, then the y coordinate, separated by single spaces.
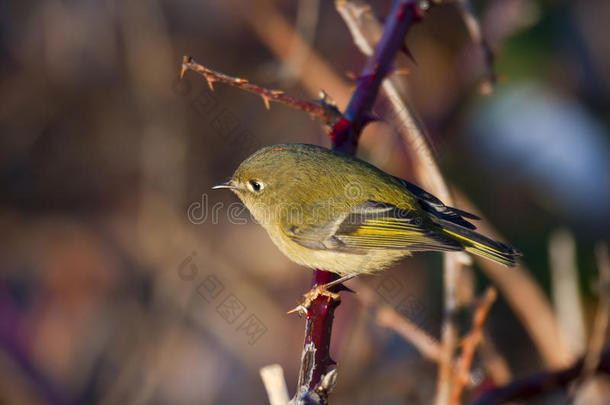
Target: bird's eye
pixel 255 186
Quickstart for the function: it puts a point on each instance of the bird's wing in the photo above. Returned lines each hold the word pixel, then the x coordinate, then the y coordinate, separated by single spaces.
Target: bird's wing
pixel 372 225
pixel 436 208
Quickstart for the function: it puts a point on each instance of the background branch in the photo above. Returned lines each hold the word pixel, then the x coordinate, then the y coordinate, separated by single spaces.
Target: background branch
pixel 602 316
pixel 470 343
pixel 600 323
pixel 567 301
pixel 388 317
pixel 275 384
pixel 475 32
pixel 12 346
pixel 534 385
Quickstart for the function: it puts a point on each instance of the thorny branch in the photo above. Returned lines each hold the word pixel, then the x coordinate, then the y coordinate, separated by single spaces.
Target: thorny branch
pixel 323 109
pixel 358 112
pixel 315 357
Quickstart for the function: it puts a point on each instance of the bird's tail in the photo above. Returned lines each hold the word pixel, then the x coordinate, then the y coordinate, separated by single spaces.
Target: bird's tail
pixel 478 244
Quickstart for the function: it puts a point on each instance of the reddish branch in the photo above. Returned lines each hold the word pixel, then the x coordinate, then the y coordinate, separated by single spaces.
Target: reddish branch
pixel 537 384
pixel 315 357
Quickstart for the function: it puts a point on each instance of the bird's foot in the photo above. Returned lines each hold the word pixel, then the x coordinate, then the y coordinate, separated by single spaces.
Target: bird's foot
pixel 311 295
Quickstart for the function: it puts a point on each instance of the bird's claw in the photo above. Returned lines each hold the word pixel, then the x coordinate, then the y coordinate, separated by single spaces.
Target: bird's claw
pixel 311 295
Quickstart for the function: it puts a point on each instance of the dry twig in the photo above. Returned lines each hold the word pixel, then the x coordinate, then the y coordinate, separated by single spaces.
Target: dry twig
pixel 305 24
pixel 600 323
pixel 602 316
pixel 426 344
pixel 275 384
pixel 565 292
pixel 474 29
pixel 469 344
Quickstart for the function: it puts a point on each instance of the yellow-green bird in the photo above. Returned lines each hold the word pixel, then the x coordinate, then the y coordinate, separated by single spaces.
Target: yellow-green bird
pixel 334 212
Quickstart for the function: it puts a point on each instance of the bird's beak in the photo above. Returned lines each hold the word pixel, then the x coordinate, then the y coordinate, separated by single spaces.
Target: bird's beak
pixel 228 184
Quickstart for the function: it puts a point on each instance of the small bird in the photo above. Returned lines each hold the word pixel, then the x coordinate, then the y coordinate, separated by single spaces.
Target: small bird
pixel 333 212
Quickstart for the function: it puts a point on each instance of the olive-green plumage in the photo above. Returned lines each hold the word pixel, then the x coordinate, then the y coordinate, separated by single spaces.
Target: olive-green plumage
pixel 334 212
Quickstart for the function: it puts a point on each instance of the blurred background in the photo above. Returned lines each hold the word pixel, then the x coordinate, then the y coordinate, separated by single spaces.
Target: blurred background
pixel 125 280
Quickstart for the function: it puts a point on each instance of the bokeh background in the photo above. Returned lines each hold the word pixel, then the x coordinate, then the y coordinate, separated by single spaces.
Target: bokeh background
pixel 125 280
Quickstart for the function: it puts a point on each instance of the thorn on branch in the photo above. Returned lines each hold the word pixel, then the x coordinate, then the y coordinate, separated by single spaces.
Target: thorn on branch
pixel 266 101
pixel 343 287
pixel 401 71
pixel 300 309
pixel 407 52
pixel 368 118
